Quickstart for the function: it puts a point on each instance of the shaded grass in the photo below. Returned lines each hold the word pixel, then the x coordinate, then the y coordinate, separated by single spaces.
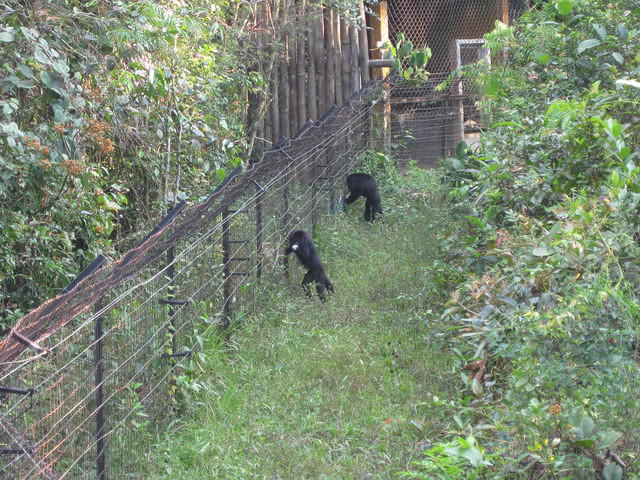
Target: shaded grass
pixel 335 390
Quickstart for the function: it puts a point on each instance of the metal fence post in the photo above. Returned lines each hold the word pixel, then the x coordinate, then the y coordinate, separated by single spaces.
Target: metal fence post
pixel 171 290
pixel 226 269
pixel 101 470
pixel 285 215
pixel 314 198
pixel 258 231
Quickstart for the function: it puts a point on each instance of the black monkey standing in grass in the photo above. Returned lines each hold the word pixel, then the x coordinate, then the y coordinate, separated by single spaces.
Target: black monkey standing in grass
pixel 301 243
pixel 363 184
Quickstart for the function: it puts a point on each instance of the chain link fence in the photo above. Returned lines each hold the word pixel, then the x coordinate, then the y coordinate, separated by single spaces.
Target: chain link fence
pixel 428 122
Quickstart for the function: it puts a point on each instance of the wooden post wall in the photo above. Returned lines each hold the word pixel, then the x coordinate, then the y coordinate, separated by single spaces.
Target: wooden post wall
pixel 318 60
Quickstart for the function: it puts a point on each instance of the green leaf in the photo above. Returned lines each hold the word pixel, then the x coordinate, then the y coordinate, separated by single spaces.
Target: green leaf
pixel 600 31
pixel 564 7
pixel 542 58
pixel 422 57
pixel 587 426
pixel 404 49
pixel 507 124
pixel 623 32
pixel 507 300
pixel 475 221
pixel 7 37
pixel 61 67
pixel 618 58
pixel 541 252
pixel 474 456
pixel 608 438
pixel 461 149
pixel 586 443
pixel 26 71
pixel 18 82
pixel 47 79
pixel 587 44
pixel 612 471
pixel 41 57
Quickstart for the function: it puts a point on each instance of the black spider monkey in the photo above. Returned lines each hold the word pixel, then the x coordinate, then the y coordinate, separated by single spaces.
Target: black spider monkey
pixel 363 184
pixel 301 243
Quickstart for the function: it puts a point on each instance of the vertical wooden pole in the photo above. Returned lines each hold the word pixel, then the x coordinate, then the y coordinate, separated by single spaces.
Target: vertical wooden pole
pixel 312 92
pixel 364 46
pixel 380 35
pixel 301 73
pixel 275 105
pixel 319 60
pixel 503 11
pixel 337 57
pixel 98 360
pixel 345 44
pixel 285 130
pixel 354 59
pixel 293 84
pixel 330 54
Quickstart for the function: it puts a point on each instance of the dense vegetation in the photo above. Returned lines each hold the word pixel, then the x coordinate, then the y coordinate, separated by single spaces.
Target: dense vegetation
pixel 549 312
pixel 109 110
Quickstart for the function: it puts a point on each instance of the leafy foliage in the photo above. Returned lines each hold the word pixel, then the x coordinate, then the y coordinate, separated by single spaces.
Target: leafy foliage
pixel 409 62
pixel 549 312
pixel 109 112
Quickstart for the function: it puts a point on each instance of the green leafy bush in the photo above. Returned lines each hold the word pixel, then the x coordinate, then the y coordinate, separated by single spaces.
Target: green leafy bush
pixel 551 199
pixel 108 112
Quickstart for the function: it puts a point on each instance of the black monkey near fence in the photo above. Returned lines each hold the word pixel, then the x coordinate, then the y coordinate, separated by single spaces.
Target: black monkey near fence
pixel 363 184
pixel 301 243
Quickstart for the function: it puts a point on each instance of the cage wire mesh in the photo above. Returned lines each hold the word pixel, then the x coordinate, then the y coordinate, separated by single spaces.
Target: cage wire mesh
pixel 428 123
pixel 93 372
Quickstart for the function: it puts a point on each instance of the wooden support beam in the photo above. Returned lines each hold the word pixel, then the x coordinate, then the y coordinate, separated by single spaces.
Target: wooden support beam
pixel 379 35
pixel 503 11
pixel 363 42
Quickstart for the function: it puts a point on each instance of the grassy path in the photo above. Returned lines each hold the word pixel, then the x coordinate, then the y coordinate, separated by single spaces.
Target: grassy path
pixel 340 390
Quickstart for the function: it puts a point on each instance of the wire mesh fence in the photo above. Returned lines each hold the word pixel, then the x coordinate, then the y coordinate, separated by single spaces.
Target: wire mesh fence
pixel 431 120
pixel 88 379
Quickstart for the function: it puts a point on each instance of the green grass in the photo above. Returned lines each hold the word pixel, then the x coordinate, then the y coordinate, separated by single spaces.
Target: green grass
pixel 337 390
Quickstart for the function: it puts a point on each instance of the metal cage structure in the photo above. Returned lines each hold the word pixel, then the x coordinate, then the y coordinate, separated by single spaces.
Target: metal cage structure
pixel 427 123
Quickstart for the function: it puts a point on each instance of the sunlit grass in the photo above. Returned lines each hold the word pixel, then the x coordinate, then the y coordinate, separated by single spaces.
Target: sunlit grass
pixel 334 390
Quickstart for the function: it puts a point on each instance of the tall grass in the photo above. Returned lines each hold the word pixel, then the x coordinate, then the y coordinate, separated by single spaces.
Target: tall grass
pixel 336 390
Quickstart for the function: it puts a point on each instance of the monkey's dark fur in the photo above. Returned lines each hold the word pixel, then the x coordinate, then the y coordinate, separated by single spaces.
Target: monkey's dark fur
pixel 363 184
pixel 301 243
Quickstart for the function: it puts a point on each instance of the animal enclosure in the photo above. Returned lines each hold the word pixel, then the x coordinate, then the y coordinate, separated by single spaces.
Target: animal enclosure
pixel 428 124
